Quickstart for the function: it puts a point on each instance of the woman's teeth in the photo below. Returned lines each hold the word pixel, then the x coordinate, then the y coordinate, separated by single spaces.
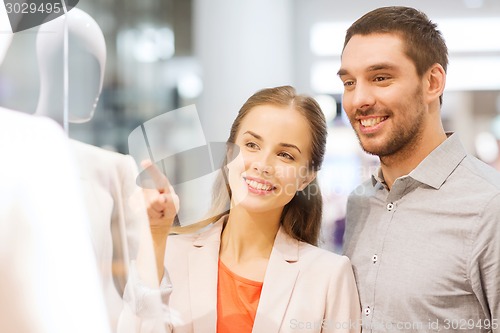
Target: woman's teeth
pixel 259 186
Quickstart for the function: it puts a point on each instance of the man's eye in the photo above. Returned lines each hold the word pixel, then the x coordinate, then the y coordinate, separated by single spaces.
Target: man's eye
pixel 380 78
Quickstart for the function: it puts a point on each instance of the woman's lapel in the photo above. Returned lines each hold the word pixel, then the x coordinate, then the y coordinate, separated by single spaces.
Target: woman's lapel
pixel 203 267
pixel 281 275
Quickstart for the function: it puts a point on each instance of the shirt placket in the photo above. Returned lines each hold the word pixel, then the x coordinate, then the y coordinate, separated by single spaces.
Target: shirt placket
pixel 388 206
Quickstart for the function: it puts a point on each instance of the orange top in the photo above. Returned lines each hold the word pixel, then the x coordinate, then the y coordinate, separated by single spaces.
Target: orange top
pixel 237 301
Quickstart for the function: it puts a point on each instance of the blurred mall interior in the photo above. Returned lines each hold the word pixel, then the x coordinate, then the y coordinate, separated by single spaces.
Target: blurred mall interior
pixel 166 54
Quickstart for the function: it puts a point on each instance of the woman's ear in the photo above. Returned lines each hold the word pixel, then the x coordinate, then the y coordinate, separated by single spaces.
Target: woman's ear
pixel 307 179
pixel 435 80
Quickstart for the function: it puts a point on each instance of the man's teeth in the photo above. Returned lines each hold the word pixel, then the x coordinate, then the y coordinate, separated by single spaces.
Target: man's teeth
pixel 259 186
pixel 372 121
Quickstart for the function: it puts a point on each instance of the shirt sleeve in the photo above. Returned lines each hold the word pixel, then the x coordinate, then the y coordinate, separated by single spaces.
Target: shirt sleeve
pixel 484 266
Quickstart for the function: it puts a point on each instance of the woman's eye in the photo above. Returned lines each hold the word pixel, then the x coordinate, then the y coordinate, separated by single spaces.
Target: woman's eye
pixel 252 145
pixel 286 155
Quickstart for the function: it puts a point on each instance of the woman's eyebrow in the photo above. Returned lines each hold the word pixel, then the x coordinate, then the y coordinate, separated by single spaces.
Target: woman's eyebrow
pixel 289 145
pixel 255 135
pixel 283 144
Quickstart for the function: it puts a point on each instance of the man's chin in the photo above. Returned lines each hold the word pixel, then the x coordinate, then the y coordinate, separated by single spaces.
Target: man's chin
pixel 371 147
pixel 371 151
pixel 380 149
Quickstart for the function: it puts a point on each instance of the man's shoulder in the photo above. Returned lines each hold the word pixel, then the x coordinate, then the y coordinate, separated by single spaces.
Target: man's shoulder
pixel 483 175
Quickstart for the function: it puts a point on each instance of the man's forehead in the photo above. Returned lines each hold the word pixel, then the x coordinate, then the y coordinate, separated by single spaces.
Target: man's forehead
pixel 369 51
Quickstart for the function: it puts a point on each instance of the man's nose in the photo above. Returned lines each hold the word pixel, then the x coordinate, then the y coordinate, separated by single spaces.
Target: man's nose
pixel 362 96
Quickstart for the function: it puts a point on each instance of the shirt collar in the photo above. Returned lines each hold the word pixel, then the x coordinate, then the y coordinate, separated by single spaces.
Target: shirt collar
pixel 437 166
pixel 378 177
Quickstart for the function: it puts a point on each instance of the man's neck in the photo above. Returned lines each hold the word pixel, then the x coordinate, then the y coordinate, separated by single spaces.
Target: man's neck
pixel 407 159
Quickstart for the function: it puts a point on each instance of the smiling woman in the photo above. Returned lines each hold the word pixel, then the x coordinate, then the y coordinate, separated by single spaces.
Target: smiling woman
pixel 275 139
pixel 256 268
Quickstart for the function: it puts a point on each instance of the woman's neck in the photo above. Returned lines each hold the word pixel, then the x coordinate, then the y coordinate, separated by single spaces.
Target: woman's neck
pixel 247 242
pixel 249 235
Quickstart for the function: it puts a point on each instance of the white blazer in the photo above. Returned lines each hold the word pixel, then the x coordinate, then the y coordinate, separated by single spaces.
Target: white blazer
pixel 306 289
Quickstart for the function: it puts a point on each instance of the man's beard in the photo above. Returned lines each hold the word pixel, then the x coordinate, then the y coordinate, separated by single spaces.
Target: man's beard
pixel 401 139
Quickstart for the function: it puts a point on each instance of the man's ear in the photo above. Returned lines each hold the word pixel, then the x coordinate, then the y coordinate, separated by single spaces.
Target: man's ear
pixel 306 180
pixel 434 82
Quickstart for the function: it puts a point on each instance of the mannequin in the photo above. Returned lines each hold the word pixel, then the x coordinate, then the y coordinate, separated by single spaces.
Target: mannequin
pixel 37 173
pixel 114 203
pixel 85 67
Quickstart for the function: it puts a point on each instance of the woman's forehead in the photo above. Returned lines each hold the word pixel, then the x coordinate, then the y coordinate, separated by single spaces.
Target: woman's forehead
pixel 279 123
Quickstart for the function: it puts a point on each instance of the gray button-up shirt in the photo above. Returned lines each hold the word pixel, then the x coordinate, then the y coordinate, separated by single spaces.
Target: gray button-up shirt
pixel 426 254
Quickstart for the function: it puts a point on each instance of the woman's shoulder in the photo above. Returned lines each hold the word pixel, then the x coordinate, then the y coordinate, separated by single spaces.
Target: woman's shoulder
pixel 320 256
pixel 178 239
pixel 209 233
pixel 323 267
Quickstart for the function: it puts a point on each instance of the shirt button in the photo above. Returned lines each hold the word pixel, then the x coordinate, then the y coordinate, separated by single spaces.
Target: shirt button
pixel 368 311
pixel 374 258
pixel 390 206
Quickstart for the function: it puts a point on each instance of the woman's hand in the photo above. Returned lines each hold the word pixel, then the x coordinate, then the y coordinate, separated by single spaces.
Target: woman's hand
pixel 162 202
pixel 162 206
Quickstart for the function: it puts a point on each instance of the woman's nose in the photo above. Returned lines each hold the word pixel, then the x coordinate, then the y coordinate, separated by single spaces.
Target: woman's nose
pixel 263 164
